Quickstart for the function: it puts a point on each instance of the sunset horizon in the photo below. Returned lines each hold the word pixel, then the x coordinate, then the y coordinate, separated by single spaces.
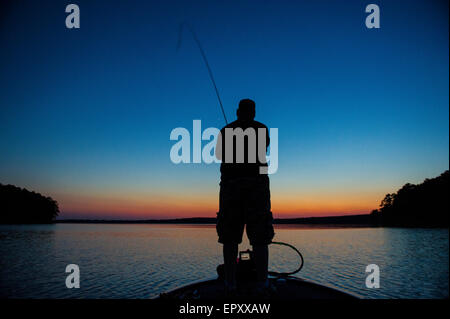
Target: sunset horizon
pixel 119 206
pixel 209 159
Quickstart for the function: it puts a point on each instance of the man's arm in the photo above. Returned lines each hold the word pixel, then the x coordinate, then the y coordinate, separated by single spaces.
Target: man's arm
pixel 218 151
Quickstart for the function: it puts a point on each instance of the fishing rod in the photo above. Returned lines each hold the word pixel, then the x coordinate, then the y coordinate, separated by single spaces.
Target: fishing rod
pixel 202 52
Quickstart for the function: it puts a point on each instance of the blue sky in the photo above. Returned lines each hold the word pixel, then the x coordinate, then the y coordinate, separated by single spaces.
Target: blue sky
pixel 87 113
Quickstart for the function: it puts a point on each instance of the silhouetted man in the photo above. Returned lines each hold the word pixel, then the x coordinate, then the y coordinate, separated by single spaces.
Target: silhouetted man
pixel 244 192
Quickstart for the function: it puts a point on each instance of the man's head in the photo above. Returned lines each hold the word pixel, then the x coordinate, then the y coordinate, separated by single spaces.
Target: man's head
pixel 246 110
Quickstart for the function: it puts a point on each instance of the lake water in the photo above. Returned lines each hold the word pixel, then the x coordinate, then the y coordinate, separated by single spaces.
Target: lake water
pixel 141 261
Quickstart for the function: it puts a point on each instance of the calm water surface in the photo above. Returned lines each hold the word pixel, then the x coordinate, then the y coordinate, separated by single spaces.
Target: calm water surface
pixel 141 261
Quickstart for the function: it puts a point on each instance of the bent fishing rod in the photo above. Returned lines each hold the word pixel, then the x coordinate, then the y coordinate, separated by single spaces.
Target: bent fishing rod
pixel 202 52
pixel 211 76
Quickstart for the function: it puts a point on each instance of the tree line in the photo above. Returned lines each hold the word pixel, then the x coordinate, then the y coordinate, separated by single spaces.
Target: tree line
pixel 422 205
pixel 21 206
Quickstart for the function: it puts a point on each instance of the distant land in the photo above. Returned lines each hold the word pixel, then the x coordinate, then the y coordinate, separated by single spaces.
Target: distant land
pixel 350 221
pixel 21 206
pixel 422 205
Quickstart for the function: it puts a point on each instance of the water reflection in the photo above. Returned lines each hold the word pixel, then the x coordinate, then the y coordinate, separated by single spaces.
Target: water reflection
pixel 140 261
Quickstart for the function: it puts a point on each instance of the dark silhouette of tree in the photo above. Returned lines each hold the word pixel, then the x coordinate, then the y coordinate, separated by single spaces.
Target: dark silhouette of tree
pixel 20 206
pixel 425 204
pixel 388 200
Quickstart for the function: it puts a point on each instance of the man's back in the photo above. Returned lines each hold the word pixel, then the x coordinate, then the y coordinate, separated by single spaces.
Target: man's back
pixel 249 166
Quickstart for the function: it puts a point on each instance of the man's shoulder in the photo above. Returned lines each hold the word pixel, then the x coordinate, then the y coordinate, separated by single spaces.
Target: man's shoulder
pixel 259 124
pixel 237 123
pixel 231 125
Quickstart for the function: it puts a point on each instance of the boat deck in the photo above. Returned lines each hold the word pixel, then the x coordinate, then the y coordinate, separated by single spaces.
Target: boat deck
pixel 289 288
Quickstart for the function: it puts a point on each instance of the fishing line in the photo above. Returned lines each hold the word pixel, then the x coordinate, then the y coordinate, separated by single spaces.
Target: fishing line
pixel 202 52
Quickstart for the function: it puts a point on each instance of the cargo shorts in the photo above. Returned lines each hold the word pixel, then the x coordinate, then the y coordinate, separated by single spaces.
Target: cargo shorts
pixel 245 202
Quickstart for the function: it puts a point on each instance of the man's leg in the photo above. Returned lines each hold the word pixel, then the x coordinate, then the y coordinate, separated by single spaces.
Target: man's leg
pixel 230 252
pixel 261 253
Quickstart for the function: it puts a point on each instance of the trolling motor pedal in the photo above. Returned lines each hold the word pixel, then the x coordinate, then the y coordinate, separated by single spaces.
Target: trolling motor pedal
pixel 245 267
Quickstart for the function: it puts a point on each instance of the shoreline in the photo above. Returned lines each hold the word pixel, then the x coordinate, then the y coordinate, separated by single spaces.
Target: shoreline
pixel 350 220
pixel 346 221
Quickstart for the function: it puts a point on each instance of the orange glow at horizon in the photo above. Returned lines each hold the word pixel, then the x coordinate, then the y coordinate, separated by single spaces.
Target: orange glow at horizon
pixel 186 204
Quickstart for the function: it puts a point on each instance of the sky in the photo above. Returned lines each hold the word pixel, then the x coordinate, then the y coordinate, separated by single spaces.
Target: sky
pixel 86 113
